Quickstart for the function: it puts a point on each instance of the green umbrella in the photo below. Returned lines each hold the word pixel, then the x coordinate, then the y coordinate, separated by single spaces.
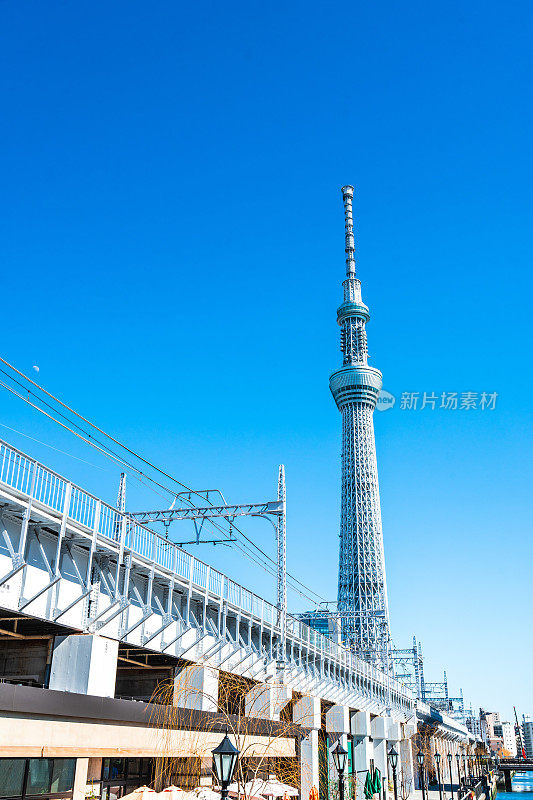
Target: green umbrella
pixel 369 786
pixel 372 783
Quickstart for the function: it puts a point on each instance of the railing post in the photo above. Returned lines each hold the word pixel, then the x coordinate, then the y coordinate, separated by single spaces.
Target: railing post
pixel 206 596
pixel 171 583
pixel 261 625
pixel 26 517
pixel 93 542
pixel 191 573
pixel 220 603
pixel 64 517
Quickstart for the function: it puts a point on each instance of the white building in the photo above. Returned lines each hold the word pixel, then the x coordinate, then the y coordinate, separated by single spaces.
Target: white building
pixel 509 738
pixel 505 731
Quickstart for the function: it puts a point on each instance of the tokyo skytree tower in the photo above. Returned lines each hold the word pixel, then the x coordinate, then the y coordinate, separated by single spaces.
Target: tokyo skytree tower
pixel 362 594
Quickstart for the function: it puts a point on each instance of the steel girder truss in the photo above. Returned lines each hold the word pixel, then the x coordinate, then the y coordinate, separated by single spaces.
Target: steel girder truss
pixel 228 512
pixel 273 510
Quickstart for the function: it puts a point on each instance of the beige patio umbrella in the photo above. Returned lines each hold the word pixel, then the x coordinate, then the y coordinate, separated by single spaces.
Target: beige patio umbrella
pixel 205 793
pixel 247 789
pixel 265 788
pixel 172 793
pixel 142 793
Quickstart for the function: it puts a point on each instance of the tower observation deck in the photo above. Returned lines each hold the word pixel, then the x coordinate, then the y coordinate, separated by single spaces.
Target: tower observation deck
pixel 362 591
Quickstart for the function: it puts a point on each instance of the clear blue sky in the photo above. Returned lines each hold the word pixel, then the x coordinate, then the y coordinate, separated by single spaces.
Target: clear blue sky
pixel 172 253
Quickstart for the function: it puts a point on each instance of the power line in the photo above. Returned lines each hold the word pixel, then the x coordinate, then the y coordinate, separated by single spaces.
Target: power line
pixel 51 446
pixel 73 411
pixel 106 450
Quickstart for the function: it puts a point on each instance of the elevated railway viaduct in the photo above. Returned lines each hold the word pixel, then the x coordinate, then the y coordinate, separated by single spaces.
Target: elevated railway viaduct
pixel 95 607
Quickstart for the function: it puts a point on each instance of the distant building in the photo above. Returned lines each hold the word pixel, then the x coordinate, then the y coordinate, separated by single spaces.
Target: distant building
pixel 505 732
pixel 509 737
pixel 488 719
pixel 527 735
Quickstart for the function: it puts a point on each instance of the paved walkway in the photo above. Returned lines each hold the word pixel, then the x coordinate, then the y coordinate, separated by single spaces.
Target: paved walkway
pixel 433 794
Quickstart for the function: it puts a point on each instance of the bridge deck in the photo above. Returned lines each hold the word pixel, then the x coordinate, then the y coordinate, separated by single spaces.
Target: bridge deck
pixel 67 556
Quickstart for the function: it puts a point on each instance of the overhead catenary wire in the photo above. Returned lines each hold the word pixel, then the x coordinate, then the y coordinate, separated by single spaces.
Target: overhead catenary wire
pixel 93 441
pixel 105 450
pixel 51 446
pixel 92 424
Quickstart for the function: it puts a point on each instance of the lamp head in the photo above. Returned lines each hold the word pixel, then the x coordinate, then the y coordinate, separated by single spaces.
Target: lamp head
pixel 225 758
pixel 393 756
pixel 339 757
pixel 420 758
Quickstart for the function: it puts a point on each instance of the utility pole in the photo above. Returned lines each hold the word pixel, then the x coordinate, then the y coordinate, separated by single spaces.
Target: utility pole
pixel 281 541
pixel 121 497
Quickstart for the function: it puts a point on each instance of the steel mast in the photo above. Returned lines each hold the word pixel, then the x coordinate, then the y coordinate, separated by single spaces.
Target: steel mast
pixel 281 542
pixel 362 591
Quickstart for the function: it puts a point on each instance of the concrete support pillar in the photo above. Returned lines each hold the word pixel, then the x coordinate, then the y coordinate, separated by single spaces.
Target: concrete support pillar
pixel 363 749
pixel 406 767
pixel 338 720
pixel 380 728
pixel 196 687
pixel 84 663
pixel 363 752
pixel 266 702
pixel 307 713
pixel 380 761
pixel 309 772
pixel 80 779
pixel 337 726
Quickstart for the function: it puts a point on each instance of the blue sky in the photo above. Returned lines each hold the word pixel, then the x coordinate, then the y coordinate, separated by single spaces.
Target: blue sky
pixel 172 250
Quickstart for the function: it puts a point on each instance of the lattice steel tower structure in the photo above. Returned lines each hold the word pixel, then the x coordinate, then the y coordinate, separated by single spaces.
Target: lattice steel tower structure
pixel 362 594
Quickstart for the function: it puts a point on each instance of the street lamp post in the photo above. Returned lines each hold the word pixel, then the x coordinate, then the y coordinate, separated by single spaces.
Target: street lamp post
pixel 393 758
pixel 420 759
pixel 225 758
pixel 339 759
pixel 450 758
pixel 458 759
pixel 464 768
pixel 437 762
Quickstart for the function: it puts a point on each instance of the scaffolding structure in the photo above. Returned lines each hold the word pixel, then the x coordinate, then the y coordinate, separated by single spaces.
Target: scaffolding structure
pixel 408 666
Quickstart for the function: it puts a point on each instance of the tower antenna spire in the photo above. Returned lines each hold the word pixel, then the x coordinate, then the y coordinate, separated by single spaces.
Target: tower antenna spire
pixel 349 245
